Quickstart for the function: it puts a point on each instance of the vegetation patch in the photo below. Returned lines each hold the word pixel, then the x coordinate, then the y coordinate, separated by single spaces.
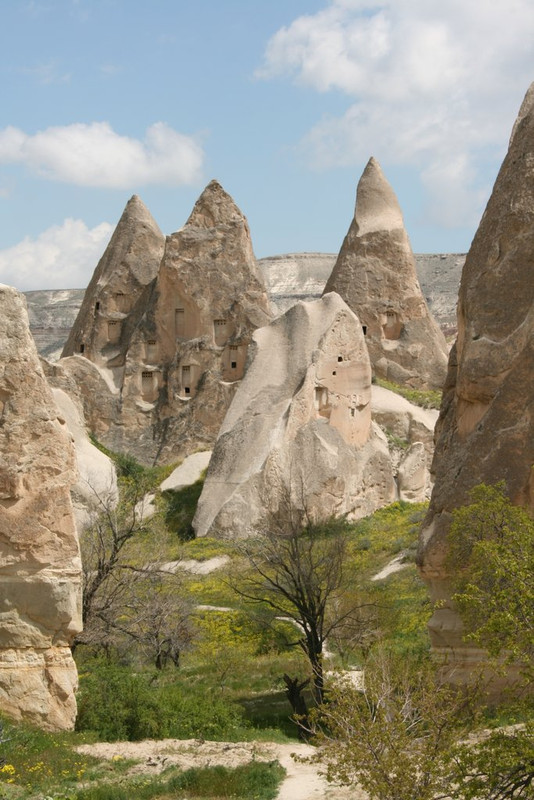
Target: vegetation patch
pixel 426 398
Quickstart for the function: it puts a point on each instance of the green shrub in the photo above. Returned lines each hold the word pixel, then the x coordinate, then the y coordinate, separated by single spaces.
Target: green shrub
pixel 254 781
pixel 181 507
pixel 117 704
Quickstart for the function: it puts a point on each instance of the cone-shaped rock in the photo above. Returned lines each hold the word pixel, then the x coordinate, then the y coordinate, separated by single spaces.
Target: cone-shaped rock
pixel 172 371
pixel 130 262
pixel 485 433
pixel 299 426
pixel 40 570
pixel 375 274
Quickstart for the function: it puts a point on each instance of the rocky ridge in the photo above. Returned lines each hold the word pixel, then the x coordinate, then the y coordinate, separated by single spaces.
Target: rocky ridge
pixel 40 569
pixel 485 431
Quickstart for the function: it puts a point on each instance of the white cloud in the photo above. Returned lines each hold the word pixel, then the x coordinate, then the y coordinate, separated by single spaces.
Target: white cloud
pixel 433 84
pixel 62 257
pixel 94 155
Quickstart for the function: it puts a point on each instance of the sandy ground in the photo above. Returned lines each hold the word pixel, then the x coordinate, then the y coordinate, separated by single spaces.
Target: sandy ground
pixel 302 782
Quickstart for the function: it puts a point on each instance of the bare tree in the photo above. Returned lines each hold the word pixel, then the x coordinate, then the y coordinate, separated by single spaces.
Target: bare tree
pixel 298 571
pixel 125 597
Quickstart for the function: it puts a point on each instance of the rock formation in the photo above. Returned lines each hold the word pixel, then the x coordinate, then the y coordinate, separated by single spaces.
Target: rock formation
pixel 160 387
pixel 96 488
pixel 300 424
pixel 40 570
pixel 375 275
pixel 410 432
pixel 486 428
pixel 130 262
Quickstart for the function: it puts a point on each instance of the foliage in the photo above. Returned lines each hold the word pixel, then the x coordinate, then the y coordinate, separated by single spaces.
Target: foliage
pixel 491 556
pixel 180 509
pixel 36 761
pixel 426 398
pixel 255 781
pixel 394 734
pixel 116 703
pixel 297 570
pixel 497 766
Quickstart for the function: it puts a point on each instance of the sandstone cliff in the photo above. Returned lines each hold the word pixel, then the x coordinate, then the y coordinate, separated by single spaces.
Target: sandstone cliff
pixel 300 424
pixel 157 378
pixel 40 570
pixel 485 431
pixel 375 275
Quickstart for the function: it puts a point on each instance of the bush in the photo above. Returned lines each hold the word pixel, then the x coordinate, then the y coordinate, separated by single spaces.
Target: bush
pixel 117 704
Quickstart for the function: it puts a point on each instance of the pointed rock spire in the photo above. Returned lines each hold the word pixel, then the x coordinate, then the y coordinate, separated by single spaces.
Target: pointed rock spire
pixel 130 262
pixel 173 349
pixel 375 274
pixel 486 425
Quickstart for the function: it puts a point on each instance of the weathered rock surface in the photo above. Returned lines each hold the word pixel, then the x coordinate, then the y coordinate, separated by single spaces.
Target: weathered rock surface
pixel 410 433
pixel 96 488
pixel 159 386
pixel 40 570
pixel 485 431
pixel 375 275
pixel 300 424
pixel 129 264
pixel 288 279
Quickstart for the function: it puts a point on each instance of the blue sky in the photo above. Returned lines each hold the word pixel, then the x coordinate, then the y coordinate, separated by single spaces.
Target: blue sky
pixel 283 101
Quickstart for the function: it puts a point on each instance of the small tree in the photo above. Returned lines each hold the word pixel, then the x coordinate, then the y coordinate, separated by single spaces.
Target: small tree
pixel 125 597
pixel 394 734
pixel 298 571
pixel 491 560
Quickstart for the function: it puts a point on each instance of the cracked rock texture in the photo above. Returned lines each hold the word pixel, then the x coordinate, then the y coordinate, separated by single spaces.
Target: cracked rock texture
pixel 376 276
pixel 299 425
pixel 485 432
pixel 40 569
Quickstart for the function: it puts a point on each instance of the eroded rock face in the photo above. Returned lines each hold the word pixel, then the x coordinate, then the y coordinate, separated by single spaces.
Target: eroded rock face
pixel 129 264
pixel 300 423
pixel 486 428
pixel 375 274
pixel 162 390
pixel 40 570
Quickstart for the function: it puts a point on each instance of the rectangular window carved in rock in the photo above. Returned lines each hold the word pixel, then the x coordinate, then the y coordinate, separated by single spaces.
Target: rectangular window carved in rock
pixel 114 330
pixel 179 322
pixel 147 385
pixel 151 350
pixel 122 302
pixel 220 331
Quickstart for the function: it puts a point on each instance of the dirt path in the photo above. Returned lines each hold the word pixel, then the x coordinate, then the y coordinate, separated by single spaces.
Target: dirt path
pixel 302 781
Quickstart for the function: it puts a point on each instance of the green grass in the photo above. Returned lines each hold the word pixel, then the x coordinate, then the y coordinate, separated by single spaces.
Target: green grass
pixel 429 398
pixel 255 781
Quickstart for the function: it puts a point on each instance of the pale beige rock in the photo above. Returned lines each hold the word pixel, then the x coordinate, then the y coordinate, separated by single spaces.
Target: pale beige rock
pixel 407 426
pixel 96 489
pixel 375 274
pixel 300 423
pixel 161 390
pixel 129 264
pixel 486 428
pixel 40 570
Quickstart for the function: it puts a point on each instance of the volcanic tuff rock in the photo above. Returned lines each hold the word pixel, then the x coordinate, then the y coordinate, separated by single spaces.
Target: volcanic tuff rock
pixel 485 432
pixel 158 376
pixel 40 570
pixel 375 275
pixel 130 262
pixel 300 423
